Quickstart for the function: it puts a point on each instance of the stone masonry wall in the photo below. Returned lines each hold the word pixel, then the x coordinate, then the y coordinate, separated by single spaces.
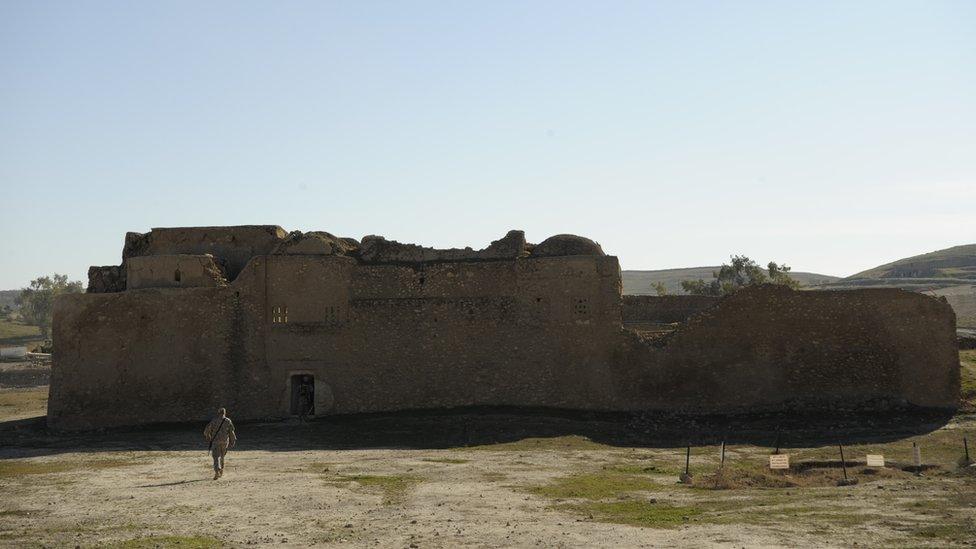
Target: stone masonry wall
pixel 771 348
pixel 664 309
pixel 536 331
pixel 172 271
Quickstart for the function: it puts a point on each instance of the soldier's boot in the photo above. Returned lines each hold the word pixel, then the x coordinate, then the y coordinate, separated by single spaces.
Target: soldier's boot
pixel 216 474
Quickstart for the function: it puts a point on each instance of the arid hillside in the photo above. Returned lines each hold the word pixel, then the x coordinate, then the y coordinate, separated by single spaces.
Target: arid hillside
pixel 950 273
pixel 639 282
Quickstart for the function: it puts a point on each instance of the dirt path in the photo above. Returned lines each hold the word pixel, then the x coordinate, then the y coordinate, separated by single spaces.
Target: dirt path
pixel 305 485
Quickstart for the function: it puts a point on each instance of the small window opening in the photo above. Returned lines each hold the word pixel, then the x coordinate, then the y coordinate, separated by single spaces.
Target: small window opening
pixel 279 315
pixel 422 280
pixel 177 275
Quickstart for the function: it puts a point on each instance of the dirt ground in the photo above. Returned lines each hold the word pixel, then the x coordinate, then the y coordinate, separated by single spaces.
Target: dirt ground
pixel 487 478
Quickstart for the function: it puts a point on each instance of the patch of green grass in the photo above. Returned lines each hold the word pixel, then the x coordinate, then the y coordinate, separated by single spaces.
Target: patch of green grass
pixel 167 542
pixel 964 530
pixel 571 442
pixel 636 513
pixel 967 362
pixel 16 334
pixel 393 487
pixel 21 403
pixel 453 461
pixel 17 468
pixel 594 486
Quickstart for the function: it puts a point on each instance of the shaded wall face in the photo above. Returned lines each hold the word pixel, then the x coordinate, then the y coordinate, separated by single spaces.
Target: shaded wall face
pixel 137 357
pixel 172 271
pixel 768 347
pixel 387 337
pixel 533 332
pixel 664 309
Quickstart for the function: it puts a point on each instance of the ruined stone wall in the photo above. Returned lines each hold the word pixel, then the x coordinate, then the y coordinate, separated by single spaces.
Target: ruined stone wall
pixel 769 347
pixel 150 355
pixel 233 247
pixel 664 309
pixel 389 337
pixel 540 330
pixel 173 271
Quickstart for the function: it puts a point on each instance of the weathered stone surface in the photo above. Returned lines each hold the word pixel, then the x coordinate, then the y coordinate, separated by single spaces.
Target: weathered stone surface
pixel 532 331
pixel 173 271
pixel 664 309
pixel 315 243
pixel 232 246
pixel 377 249
pixel 107 279
pixel 566 244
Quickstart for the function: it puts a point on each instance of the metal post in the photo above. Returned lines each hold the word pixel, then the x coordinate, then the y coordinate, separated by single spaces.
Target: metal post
pixel 843 462
pixel 777 441
pixel 917 458
pixel 687 459
pixel 965 444
pixel 722 465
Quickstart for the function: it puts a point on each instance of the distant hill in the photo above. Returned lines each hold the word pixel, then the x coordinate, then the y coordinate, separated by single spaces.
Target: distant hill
pixel 9 297
pixel 639 282
pixel 958 262
pixel 949 273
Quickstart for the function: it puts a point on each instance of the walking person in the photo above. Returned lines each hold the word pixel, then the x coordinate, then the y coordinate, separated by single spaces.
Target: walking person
pixel 220 433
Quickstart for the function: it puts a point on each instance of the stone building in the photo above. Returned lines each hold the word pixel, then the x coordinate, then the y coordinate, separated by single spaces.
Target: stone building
pixel 243 317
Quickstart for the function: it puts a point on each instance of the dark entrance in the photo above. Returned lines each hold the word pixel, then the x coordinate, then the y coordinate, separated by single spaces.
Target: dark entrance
pixel 302 395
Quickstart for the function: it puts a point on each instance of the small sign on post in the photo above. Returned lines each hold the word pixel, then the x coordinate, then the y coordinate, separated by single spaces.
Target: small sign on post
pixel 875 460
pixel 779 461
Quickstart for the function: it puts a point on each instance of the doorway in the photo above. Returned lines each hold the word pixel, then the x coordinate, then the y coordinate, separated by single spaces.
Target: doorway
pixel 303 395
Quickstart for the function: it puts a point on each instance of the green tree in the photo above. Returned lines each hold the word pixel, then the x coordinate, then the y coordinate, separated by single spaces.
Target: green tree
pixel 37 302
pixel 660 288
pixel 5 312
pixel 738 274
pixel 780 274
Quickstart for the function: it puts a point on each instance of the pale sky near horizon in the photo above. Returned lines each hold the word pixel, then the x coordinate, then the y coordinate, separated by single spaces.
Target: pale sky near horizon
pixel 833 136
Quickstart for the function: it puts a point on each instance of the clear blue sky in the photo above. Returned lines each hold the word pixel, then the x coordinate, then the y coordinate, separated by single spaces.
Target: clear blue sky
pixel 833 136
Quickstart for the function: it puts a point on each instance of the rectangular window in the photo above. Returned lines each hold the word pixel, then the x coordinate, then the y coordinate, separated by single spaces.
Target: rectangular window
pixel 279 315
pixel 581 306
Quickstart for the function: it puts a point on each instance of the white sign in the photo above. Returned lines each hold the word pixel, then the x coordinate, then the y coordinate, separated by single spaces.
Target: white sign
pixel 779 461
pixel 875 460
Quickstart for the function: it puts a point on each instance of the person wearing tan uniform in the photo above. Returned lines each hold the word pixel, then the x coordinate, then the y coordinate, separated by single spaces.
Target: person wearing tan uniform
pixel 220 433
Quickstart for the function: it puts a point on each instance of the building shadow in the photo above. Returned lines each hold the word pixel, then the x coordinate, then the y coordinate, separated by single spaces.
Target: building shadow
pixel 457 428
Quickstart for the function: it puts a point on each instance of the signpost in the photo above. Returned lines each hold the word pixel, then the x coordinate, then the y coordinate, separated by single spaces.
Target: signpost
pixel 779 461
pixel 875 460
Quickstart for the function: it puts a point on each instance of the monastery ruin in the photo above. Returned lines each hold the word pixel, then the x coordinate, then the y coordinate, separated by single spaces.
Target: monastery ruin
pixel 201 317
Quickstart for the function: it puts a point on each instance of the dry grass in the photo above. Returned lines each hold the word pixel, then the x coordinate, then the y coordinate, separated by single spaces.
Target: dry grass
pixel 21 468
pixel 23 403
pixel 572 442
pixel 967 361
pixel 393 487
pixel 594 486
pixel 16 334
pixel 167 542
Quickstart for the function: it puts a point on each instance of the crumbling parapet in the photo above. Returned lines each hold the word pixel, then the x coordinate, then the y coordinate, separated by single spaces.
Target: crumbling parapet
pixel 173 271
pixel 106 279
pixel 377 249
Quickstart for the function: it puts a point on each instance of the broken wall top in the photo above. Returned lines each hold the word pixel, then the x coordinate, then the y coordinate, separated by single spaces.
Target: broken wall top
pixel 232 247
